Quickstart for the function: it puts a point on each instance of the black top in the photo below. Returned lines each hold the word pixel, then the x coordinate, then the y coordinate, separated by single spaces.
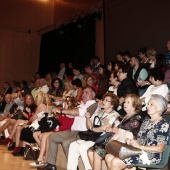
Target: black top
pixel 127 86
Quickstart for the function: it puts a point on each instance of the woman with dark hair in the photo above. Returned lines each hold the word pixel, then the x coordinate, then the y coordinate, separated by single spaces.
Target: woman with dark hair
pixel 57 90
pixel 78 91
pixel 25 88
pixel 118 65
pixel 156 78
pixel 103 83
pixel 77 73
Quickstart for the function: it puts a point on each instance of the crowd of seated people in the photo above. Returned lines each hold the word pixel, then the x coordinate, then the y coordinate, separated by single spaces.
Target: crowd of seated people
pixel 129 93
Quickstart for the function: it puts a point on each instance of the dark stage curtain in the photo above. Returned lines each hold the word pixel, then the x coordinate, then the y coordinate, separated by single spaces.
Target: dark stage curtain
pixel 73 43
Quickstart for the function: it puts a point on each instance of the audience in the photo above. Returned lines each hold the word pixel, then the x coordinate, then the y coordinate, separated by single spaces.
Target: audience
pixel 133 80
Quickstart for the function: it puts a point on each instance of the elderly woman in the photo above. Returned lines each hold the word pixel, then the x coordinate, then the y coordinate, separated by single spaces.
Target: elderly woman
pixel 155 131
pixel 128 128
pixel 106 116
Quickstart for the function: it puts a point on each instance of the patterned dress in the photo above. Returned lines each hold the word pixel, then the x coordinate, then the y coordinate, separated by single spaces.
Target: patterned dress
pixel 151 134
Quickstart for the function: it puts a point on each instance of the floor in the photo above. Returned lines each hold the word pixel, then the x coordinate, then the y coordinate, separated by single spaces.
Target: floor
pixel 9 162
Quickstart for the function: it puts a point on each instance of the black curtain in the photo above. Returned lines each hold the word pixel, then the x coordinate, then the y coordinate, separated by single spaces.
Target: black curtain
pixel 73 43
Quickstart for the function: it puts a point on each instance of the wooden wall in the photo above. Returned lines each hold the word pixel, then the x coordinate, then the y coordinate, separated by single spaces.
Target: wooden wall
pixel 19 48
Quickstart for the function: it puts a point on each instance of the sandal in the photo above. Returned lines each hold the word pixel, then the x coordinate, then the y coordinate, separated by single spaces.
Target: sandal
pixel 37 164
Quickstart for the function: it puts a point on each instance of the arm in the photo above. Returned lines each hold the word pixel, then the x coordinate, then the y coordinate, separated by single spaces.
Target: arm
pixel 79 93
pixel 40 108
pixel 72 112
pixel 153 149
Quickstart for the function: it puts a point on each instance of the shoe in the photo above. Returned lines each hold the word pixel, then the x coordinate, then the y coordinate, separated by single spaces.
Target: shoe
pixel 37 164
pixel 2 137
pixel 17 149
pixel 7 140
pixel 11 147
pixel 20 152
pixel 48 167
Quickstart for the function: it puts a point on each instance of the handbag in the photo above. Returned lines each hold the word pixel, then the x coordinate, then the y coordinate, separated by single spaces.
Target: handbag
pixel 91 135
pixel 122 150
pixel 31 152
pixel 103 139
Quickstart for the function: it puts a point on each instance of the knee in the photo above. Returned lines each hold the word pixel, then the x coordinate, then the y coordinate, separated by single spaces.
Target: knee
pixel 108 159
pixel 115 162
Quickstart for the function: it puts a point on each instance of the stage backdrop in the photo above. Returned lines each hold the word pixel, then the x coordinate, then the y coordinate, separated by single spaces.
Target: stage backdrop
pixel 73 43
pixel 132 24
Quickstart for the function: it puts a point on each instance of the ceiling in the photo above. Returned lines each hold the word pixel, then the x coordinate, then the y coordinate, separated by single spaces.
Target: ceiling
pixel 26 15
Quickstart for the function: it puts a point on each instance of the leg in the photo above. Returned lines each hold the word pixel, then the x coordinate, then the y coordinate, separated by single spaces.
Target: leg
pixel 17 136
pixel 73 155
pixel 108 160
pixel 36 136
pixel 15 127
pixel 97 163
pixel 6 124
pixel 71 137
pixel 54 139
pixel 83 152
pixel 90 153
pixel 43 144
pixel 117 164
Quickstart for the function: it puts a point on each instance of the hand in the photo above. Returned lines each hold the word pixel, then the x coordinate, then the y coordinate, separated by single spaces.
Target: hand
pixel 56 110
pixel 109 129
pixel 87 114
pixel 135 143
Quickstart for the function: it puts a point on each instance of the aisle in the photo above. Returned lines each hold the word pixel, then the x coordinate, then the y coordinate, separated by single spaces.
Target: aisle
pixel 9 162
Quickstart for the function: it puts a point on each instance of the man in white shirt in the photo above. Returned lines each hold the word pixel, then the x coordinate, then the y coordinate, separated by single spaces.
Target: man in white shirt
pixel 43 86
pixel 67 137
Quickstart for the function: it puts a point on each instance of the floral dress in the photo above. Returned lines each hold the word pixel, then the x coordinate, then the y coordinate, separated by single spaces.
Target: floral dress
pixel 151 134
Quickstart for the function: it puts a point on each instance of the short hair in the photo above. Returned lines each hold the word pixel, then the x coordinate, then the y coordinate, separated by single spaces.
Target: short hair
pixel 96 58
pixel 92 89
pixel 18 84
pixel 161 102
pixel 125 69
pixel 114 99
pixel 137 59
pixel 142 50
pixel 120 64
pixel 127 53
pixel 151 51
pixel 157 74
pixel 77 82
pixel 88 66
pixel 59 80
pixel 136 102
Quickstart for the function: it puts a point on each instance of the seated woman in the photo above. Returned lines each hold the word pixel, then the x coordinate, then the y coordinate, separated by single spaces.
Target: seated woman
pixel 41 100
pixel 89 80
pixel 128 127
pixel 41 136
pixel 155 131
pixel 78 91
pixel 156 77
pixel 20 117
pixel 57 90
pixel 107 117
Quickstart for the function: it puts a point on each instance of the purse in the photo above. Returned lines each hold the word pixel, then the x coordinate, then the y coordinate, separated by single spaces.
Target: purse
pixel 90 135
pixel 122 150
pixel 31 152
